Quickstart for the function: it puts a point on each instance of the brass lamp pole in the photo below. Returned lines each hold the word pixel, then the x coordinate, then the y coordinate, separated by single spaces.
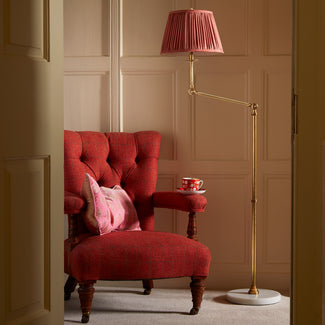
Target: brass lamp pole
pixel 195 31
pixel 192 91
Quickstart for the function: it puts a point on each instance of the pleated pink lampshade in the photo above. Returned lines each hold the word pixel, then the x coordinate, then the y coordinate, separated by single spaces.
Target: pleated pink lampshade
pixel 191 31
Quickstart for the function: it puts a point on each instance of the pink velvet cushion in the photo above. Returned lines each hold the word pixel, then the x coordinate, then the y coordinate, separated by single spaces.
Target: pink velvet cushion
pixel 107 209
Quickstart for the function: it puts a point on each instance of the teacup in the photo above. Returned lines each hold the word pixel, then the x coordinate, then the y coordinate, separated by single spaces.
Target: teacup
pixel 191 184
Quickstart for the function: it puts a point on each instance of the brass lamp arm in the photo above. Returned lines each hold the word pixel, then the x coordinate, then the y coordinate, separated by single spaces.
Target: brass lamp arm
pixel 225 99
pixel 192 91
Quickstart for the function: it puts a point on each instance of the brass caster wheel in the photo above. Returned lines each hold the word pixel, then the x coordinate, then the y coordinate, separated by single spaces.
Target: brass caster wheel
pixel 194 311
pixel 85 318
pixel 147 292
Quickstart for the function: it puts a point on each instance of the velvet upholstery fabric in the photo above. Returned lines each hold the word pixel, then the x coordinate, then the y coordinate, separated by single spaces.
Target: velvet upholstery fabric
pixel 73 203
pixel 126 159
pixel 129 160
pixel 175 200
pixel 137 255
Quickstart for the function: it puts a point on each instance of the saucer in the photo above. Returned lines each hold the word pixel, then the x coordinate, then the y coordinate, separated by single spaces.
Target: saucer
pixel 191 192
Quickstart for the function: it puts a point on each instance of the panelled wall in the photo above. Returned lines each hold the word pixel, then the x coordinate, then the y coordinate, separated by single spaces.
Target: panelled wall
pixel 116 80
pixel 86 65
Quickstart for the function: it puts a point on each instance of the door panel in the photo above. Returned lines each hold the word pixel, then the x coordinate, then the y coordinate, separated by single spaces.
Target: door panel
pixel 26 205
pixel 31 167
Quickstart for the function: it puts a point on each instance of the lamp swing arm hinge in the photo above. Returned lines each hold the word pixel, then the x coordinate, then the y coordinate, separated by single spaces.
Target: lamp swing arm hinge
pixel 192 90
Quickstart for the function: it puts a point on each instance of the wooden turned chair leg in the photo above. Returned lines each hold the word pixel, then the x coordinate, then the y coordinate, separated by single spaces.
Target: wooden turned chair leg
pixel 69 287
pixel 192 227
pixel 147 285
pixel 197 289
pixel 86 292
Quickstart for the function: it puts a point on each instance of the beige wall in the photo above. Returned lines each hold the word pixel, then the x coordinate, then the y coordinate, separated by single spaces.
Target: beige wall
pixel 115 80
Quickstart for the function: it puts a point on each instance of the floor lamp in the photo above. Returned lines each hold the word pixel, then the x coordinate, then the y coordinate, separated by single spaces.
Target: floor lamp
pixel 195 31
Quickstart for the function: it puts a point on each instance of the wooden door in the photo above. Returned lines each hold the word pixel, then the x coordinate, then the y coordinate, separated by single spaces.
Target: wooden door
pixel 308 259
pixel 31 170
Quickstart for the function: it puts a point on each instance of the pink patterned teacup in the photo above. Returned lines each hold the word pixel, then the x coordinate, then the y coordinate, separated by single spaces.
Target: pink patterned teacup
pixel 191 184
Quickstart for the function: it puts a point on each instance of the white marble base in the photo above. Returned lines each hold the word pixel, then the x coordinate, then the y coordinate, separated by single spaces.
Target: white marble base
pixel 242 297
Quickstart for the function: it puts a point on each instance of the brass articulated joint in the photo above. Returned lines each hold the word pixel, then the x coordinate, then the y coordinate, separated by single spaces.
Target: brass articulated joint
pixel 192 91
pixel 254 108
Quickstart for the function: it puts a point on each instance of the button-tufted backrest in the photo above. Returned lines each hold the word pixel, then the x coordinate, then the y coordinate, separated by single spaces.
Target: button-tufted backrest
pixel 118 158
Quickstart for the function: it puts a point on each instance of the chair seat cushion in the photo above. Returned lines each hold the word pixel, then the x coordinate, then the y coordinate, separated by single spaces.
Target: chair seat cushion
pixel 137 255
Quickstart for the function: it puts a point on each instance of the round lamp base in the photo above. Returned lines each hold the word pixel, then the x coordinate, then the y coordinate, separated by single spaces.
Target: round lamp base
pixel 264 297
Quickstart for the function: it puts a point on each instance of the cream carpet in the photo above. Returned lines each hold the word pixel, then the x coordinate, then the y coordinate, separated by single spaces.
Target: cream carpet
pixel 171 306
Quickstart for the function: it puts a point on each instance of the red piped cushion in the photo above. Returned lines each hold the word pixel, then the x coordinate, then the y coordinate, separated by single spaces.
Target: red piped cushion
pixel 175 200
pixel 137 255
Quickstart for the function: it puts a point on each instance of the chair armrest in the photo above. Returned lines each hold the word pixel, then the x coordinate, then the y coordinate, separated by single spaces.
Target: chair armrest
pixel 73 203
pixel 178 201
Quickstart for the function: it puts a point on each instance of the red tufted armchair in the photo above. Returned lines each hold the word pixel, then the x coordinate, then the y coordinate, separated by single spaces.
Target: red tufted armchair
pixel 131 161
